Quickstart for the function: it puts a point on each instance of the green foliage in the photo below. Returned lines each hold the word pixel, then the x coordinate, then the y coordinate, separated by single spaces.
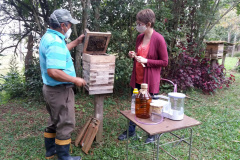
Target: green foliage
pixel 119 17
pixel 13 84
pixel 217 137
pixel 178 21
pixel 34 81
pixel 237 68
pixel 123 73
pixel 217 33
pixel 237 54
pixel 238 9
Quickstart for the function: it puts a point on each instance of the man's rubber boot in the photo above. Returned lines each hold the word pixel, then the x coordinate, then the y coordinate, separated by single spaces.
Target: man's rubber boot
pixel 49 139
pixel 62 147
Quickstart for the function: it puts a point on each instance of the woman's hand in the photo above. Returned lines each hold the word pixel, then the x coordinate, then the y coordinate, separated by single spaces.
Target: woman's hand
pixel 140 59
pixel 131 54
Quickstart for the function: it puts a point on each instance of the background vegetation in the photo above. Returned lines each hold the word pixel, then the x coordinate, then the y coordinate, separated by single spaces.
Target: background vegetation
pixel 183 23
pixel 218 137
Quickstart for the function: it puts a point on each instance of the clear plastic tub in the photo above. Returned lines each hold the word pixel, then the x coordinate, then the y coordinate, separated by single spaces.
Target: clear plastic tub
pixel 155 117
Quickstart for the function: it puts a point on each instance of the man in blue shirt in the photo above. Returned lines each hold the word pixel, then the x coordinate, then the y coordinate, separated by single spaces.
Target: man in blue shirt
pixel 59 77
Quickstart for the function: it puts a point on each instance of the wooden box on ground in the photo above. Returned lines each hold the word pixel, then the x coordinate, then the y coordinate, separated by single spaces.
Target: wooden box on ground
pixel 98 67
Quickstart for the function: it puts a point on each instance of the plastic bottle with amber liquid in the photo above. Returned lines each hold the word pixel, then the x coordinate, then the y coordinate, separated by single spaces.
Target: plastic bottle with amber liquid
pixel 143 100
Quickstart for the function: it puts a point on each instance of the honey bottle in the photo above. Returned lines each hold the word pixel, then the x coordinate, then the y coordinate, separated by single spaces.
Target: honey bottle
pixel 143 100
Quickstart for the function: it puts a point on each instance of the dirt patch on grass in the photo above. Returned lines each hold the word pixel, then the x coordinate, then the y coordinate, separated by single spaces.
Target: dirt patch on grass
pixel 24 122
pixel 13 108
pixel 21 116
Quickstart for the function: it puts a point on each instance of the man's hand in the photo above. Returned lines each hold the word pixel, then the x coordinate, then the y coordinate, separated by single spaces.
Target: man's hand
pixel 61 76
pixel 140 59
pixel 76 42
pixel 131 54
pixel 80 38
pixel 79 82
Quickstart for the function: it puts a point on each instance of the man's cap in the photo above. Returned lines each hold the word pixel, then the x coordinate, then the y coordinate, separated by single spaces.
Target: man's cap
pixel 63 15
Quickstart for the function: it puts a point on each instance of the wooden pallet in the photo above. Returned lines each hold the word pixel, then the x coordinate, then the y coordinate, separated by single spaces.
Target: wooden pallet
pixel 87 134
pixel 98 72
pixel 81 133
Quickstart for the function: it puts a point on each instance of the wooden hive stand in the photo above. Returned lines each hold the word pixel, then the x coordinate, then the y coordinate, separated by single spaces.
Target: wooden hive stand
pixel 98 71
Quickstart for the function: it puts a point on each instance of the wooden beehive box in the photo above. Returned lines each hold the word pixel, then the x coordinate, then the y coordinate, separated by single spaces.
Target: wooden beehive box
pixel 98 67
pixel 228 47
pixel 214 49
pixel 96 42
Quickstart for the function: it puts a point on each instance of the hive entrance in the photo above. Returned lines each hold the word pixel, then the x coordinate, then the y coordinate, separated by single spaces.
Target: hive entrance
pixel 96 43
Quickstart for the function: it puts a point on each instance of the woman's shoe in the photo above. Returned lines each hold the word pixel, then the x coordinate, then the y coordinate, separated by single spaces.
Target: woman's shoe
pixel 123 136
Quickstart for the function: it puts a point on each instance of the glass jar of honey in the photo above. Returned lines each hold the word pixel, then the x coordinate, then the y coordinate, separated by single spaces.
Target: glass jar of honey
pixel 143 100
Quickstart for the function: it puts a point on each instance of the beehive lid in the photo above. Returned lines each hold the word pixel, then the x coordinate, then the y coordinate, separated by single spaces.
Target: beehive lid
pixel 96 42
pixel 176 95
pixel 215 42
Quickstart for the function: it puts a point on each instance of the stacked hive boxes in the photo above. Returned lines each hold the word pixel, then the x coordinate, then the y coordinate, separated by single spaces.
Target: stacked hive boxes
pixel 98 67
pixel 214 49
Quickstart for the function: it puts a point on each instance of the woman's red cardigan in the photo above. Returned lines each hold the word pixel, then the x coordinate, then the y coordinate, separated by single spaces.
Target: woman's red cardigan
pixel 157 58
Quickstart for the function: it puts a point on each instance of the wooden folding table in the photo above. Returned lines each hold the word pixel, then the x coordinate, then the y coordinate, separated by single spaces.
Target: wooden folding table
pixel 167 126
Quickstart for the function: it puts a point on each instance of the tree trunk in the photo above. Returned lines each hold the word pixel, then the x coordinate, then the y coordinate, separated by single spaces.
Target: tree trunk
pixel 71 11
pixel 229 35
pixel 95 6
pixel 233 47
pixel 176 11
pixel 78 60
pixel 79 48
pixel 29 56
pixel 85 6
pixel 20 47
pixel 55 4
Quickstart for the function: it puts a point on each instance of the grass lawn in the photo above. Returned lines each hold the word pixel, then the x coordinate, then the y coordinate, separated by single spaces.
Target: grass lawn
pixel 218 137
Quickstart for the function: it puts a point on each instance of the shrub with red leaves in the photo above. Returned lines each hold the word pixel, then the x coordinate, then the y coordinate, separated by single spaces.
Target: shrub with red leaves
pixel 187 72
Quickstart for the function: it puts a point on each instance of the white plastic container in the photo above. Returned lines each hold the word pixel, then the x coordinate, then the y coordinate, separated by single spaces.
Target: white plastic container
pixel 157 106
pixel 177 105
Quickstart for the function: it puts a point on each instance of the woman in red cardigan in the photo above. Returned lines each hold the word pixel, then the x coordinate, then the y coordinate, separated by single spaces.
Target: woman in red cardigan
pixel 151 50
